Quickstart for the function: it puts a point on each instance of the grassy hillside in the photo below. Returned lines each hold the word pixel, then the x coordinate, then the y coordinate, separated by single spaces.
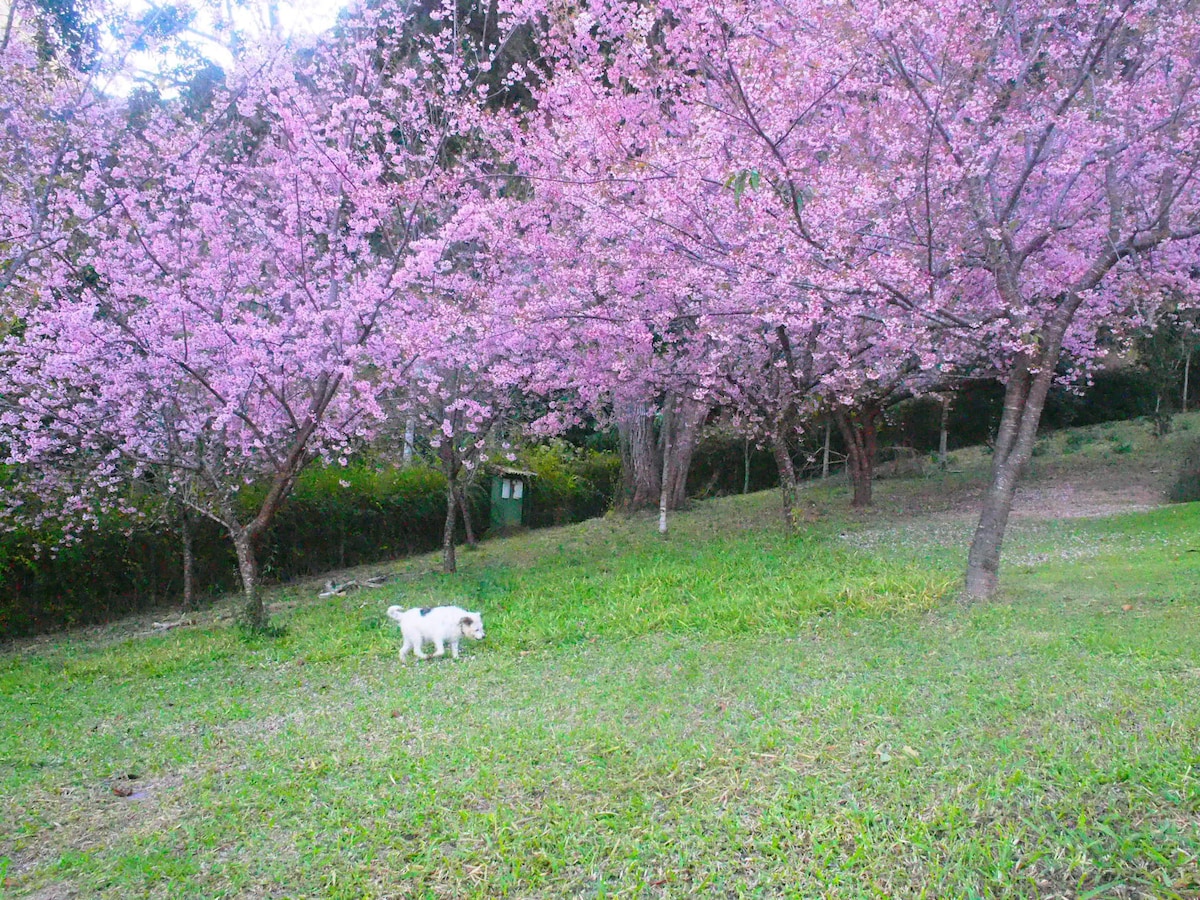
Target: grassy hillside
pixel 729 712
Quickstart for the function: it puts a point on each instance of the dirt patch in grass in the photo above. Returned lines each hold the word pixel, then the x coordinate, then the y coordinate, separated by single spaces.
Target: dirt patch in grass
pixel 1053 490
pixel 1071 500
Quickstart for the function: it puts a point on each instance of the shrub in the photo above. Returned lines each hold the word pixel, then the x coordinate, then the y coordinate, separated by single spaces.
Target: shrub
pixel 347 516
pixel 570 484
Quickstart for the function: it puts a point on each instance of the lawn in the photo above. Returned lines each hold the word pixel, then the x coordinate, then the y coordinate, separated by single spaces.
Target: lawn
pixel 729 712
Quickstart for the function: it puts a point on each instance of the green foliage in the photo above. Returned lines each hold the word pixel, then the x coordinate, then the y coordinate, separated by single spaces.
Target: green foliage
pixel 571 484
pixel 1114 396
pixel 108 572
pixel 740 180
pixel 1117 395
pixel 347 516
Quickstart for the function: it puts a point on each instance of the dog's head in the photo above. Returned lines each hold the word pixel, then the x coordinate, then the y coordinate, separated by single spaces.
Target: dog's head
pixel 471 626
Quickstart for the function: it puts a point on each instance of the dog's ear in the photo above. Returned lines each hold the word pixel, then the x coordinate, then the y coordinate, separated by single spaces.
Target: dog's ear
pixel 466 621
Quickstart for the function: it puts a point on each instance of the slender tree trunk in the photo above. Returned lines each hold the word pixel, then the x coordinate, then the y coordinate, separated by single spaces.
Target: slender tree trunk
pixel 1016 394
pixel 451 466
pixel 1187 368
pixel 189 559
pixel 449 560
pixel 410 435
pixel 472 541
pixel 1162 418
pixel 686 420
pixel 746 467
pixel 825 454
pixel 1024 400
pixel 858 428
pixel 943 436
pixel 787 481
pixel 254 611
pixel 665 493
pixel 641 473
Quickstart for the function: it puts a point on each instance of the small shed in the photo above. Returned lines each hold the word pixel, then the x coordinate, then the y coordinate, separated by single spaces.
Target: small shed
pixel 510 487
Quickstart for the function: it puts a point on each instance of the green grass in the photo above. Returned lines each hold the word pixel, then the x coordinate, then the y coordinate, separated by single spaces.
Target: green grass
pixel 726 713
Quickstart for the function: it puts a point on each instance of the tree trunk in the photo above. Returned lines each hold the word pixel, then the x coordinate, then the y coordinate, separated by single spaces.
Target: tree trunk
pixel 1024 400
pixel 1187 368
pixel 449 561
pixel 943 436
pixel 787 481
pixel 472 541
pixel 410 434
pixel 1016 395
pixel 451 466
pixel 189 560
pixel 746 467
pixel 858 428
pixel 686 421
pixel 1162 417
pixel 641 474
pixel 825 454
pixel 254 611
pixel 668 426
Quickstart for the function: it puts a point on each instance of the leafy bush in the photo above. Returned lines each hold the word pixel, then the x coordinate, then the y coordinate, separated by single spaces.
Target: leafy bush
pixel 1114 396
pixel 347 516
pixel 570 484
pixel 108 572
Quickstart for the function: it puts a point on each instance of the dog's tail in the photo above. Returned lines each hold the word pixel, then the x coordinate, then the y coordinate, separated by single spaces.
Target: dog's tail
pixel 395 612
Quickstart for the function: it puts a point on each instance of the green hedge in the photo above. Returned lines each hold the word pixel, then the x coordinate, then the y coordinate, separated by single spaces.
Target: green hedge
pixel 109 572
pixel 571 483
pixel 335 518
pixel 338 517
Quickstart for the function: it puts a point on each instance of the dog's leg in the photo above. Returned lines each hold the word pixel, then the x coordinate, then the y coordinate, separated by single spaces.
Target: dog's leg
pixel 454 649
pixel 441 647
pixel 404 650
pixel 417 649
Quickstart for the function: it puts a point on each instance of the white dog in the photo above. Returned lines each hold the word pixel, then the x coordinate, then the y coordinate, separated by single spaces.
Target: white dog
pixel 439 624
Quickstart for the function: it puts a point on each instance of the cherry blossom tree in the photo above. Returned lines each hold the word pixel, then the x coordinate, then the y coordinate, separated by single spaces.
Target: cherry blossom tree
pixel 678 147
pixel 1044 162
pixel 777 208
pixel 987 183
pixel 54 122
pixel 246 302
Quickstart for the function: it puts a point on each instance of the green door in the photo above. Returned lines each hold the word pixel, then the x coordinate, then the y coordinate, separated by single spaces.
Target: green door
pixel 508 500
